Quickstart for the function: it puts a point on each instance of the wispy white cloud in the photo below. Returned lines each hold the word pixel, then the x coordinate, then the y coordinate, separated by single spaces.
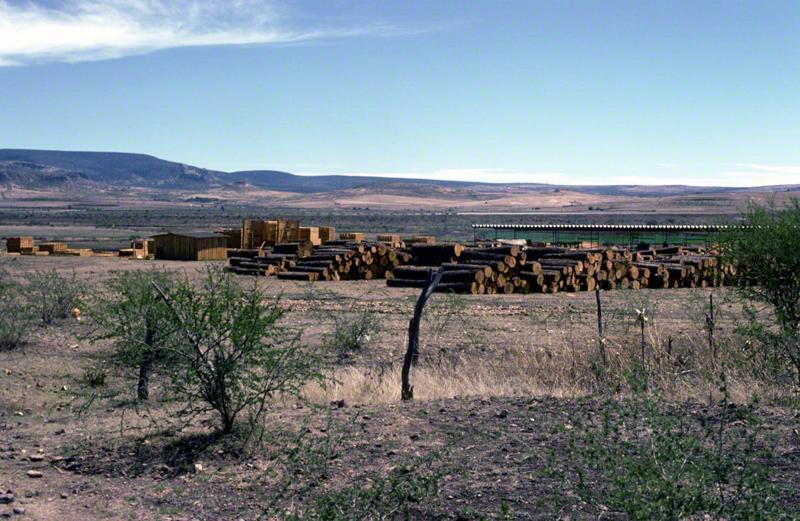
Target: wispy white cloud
pixel 81 30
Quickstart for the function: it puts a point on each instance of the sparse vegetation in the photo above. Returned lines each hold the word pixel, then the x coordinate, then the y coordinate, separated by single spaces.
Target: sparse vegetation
pixel 52 295
pixel 15 313
pixel 765 257
pixel 132 314
pixel 394 496
pixel 650 460
pixel 501 373
pixel 234 356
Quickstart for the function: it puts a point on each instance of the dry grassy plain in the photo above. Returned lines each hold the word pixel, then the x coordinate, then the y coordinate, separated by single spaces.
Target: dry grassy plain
pixel 499 377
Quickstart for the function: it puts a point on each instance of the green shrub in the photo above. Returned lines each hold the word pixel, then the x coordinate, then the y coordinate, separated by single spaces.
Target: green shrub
pixel 15 315
pixel 94 377
pixel 352 332
pixel 51 295
pixel 233 355
pixel 131 313
pixel 763 255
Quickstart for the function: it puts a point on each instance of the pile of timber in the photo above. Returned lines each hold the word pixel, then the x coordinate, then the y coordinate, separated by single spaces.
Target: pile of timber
pixel 268 261
pixel 342 259
pixel 348 260
pixel 545 269
pixel 485 269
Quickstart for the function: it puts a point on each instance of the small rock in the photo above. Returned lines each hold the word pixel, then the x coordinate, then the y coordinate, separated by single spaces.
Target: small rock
pixel 338 403
pixel 198 467
pixel 59 432
pixel 36 457
pixel 502 414
pixel 6 498
pixel 64 495
pixel 34 474
pixel 6 513
pixel 414 437
pixel 19 511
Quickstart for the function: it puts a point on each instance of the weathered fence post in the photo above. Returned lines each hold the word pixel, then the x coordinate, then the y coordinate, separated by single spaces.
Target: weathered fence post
pixel 601 338
pixel 710 325
pixel 412 353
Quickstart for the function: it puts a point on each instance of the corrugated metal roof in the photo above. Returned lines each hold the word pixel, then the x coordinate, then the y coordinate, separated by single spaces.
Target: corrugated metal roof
pixel 607 227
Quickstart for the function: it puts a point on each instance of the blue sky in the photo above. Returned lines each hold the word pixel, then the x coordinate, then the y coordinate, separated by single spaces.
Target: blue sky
pixel 565 91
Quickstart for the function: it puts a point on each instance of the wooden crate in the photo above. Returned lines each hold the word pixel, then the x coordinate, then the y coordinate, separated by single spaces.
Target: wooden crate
pixel 16 244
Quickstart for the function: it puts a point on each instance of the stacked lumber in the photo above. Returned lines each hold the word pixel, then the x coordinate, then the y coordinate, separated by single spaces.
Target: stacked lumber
pixel 53 247
pixel 77 252
pixel 18 244
pixel 309 233
pixel 232 235
pixel 391 240
pixel 327 233
pixel 351 236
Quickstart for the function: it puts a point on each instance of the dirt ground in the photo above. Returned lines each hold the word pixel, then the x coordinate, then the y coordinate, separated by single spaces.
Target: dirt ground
pixel 499 379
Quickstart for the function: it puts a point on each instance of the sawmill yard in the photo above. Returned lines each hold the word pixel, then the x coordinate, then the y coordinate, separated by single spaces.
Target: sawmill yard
pixel 507 394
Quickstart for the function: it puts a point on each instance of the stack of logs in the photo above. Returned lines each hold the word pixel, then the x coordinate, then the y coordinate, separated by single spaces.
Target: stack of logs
pixel 515 269
pixel 335 260
pixel 483 269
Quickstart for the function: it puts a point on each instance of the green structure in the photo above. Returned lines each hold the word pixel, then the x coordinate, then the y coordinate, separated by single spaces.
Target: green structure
pixel 602 234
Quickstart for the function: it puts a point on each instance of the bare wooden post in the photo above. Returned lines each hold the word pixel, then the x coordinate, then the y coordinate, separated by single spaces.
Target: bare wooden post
pixel 412 353
pixel 601 338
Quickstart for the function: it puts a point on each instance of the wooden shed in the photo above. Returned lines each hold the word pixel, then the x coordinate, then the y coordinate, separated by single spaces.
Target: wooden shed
pixel 191 246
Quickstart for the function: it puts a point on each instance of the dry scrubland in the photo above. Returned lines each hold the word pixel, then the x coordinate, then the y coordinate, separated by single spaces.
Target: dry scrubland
pixel 503 385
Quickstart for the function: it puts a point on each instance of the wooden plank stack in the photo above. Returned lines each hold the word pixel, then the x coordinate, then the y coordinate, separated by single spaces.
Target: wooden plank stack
pixel 19 244
pixel 53 247
pixel 351 236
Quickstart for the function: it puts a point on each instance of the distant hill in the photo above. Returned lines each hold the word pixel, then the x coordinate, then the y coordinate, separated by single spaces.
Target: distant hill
pixel 65 170
pixel 134 170
pixel 24 174
pixel 286 182
pixel 144 171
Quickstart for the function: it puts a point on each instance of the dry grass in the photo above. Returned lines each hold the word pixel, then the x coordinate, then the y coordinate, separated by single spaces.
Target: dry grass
pixel 555 352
